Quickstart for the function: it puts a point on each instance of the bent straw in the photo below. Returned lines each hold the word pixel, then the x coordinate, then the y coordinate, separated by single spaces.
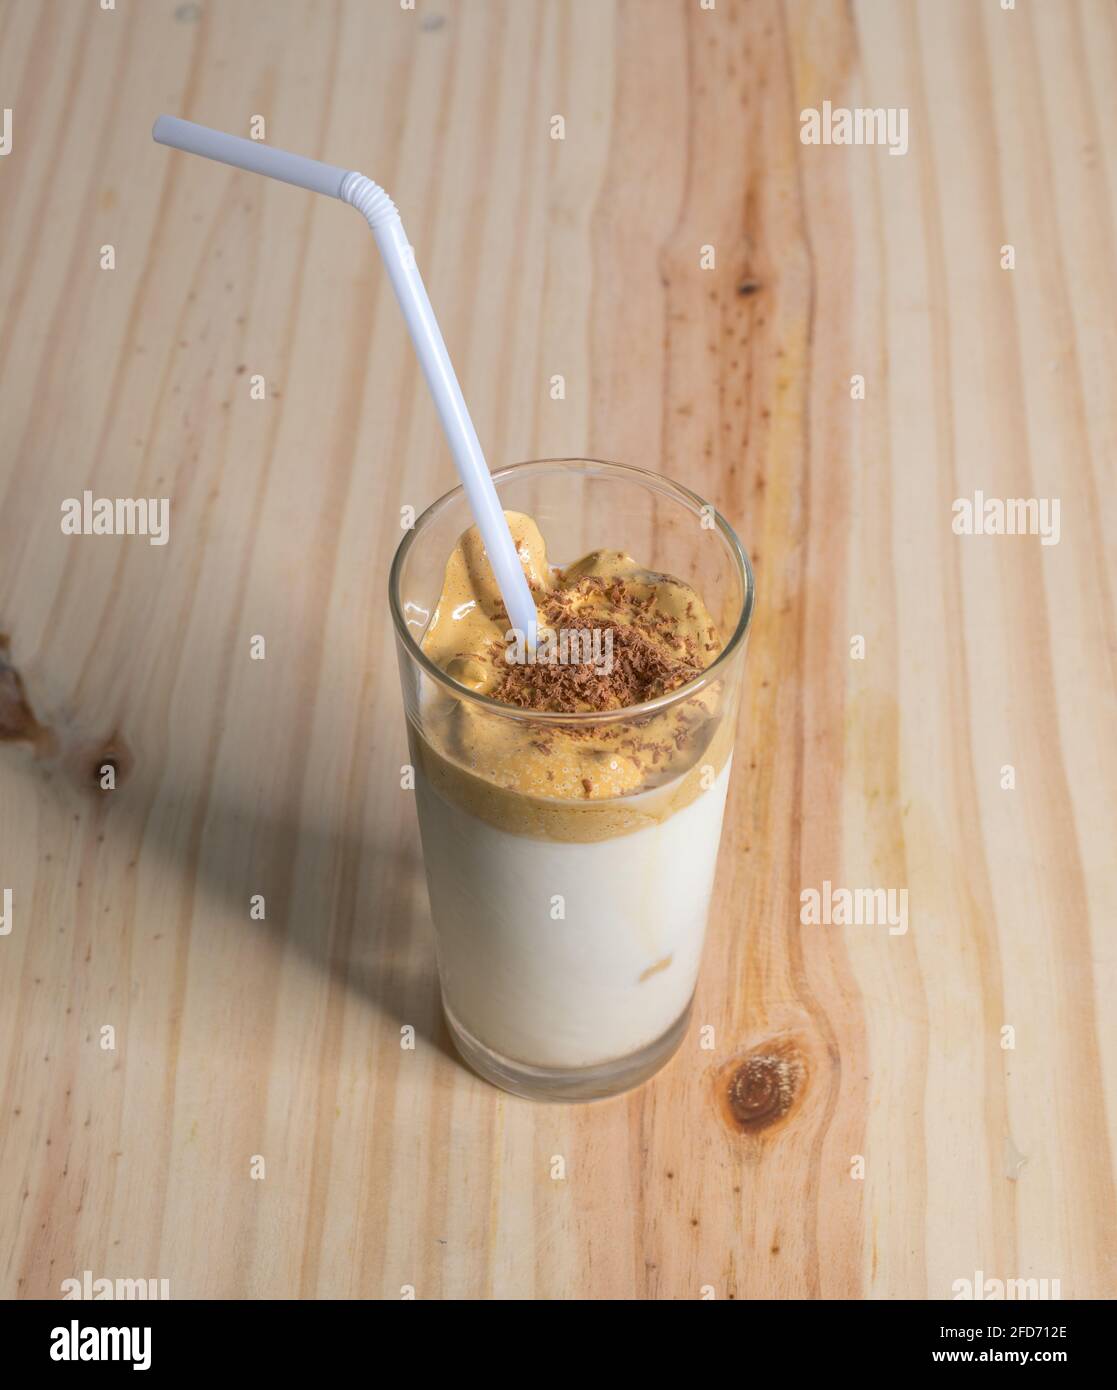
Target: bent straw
pixel 399 260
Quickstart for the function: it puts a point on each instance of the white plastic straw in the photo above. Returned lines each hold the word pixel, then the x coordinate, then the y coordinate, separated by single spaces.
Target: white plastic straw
pixel 399 260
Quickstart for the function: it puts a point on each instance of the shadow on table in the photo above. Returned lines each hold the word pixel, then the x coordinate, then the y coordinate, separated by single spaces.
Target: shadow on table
pixel 356 907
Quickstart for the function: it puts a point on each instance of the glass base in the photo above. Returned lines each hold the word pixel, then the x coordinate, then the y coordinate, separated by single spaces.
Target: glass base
pixel 567 1084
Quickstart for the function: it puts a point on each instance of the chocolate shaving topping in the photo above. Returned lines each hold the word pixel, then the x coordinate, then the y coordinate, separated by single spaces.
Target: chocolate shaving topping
pixel 648 659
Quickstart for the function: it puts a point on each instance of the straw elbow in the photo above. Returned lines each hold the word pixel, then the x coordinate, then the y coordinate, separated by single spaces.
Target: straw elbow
pixel 368 198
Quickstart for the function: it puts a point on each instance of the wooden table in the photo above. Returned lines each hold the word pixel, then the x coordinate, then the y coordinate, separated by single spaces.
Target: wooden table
pixel 907 1108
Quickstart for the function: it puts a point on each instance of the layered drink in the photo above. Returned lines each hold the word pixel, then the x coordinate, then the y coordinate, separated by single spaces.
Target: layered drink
pixel 570 800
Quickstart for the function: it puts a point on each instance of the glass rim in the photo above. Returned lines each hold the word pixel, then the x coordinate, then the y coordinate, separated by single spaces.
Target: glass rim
pixel 663 485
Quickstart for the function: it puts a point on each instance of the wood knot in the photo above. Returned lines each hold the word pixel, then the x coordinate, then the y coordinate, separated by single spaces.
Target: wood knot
pixel 760 1089
pixel 17 721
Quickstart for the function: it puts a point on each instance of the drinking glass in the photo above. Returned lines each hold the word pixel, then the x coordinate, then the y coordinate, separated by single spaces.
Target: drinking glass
pixel 569 932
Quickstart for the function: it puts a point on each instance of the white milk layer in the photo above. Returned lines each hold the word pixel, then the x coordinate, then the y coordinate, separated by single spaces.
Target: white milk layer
pixel 560 954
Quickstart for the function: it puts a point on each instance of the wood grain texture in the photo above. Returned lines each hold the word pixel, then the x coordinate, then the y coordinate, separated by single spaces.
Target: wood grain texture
pixel 389 1168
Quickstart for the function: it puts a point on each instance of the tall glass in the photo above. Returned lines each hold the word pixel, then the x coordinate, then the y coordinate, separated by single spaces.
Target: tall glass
pixel 569 932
